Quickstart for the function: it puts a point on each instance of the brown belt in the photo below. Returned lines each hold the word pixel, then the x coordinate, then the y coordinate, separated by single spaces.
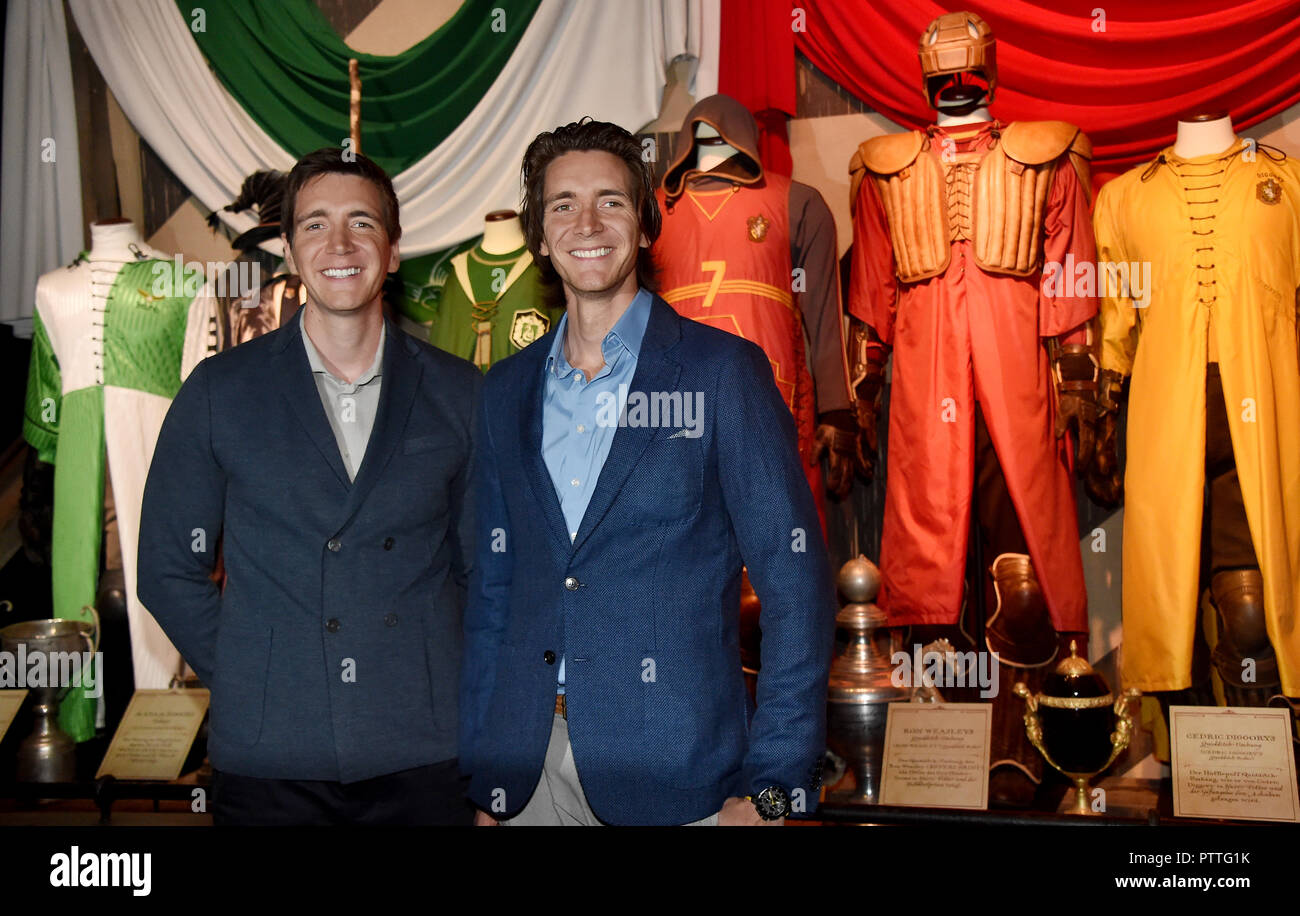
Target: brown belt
pixel 560 709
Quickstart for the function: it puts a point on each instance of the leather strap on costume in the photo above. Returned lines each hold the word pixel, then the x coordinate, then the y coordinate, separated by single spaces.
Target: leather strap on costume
pixel 1020 630
pixel 1010 190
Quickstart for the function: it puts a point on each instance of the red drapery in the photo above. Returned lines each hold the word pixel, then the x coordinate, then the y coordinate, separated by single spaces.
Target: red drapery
pixel 1125 77
pixel 756 68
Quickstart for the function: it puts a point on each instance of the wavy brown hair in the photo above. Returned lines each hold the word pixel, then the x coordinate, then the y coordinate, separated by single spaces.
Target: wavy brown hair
pixel 581 136
pixel 332 159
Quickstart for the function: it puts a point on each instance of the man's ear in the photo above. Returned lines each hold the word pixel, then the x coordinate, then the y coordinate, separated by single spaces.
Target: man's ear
pixel 542 249
pixel 645 241
pixel 394 258
pixel 288 254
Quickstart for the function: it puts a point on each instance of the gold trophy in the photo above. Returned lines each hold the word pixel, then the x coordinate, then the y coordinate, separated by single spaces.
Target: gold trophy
pixel 1077 724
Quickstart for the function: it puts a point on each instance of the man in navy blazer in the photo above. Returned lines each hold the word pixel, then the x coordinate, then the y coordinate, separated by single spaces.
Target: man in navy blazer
pixel 332 457
pixel 632 462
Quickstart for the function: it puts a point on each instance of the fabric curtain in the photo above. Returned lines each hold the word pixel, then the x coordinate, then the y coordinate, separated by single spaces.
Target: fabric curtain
pixel 1124 71
pixel 287 67
pixel 41 199
pixel 756 68
pixel 149 59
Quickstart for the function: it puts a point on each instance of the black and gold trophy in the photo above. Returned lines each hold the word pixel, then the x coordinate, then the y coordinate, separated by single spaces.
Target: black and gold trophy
pixel 1077 724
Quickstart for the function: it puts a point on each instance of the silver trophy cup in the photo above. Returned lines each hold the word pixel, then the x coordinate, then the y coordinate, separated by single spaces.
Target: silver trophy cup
pixel 47 754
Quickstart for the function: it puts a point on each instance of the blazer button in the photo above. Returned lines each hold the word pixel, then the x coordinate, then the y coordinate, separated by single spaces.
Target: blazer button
pixel 388 543
pixel 334 544
pixel 572 584
pixel 332 625
pixel 390 620
pixel 549 657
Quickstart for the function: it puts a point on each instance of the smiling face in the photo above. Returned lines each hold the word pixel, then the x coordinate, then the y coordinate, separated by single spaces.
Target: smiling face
pixel 340 247
pixel 590 229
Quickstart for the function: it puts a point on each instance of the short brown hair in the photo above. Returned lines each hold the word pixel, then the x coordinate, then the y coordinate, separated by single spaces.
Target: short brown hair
pixel 330 160
pixel 581 136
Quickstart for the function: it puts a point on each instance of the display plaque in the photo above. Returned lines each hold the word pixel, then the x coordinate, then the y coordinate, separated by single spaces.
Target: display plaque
pixel 10 702
pixel 155 734
pixel 1233 761
pixel 937 755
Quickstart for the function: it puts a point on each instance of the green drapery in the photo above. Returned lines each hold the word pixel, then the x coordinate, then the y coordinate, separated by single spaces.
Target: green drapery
pixel 287 67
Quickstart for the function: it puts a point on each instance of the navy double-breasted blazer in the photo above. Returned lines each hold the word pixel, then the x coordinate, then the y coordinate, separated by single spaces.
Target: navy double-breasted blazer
pixel 334 650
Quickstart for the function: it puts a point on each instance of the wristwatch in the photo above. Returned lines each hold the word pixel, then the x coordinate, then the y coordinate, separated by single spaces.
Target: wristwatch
pixel 772 803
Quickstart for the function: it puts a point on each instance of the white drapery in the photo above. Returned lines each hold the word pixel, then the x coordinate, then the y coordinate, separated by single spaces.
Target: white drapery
pixel 577 57
pixel 41 225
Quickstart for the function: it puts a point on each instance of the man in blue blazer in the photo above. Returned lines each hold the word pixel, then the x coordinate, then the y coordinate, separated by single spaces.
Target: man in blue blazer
pixel 332 457
pixel 632 462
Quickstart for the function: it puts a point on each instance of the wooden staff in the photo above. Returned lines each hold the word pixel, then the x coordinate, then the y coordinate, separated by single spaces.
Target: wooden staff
pixel 354 104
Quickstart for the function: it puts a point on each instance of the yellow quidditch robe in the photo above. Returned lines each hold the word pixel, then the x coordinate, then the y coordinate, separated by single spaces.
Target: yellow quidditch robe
pixel 1222 236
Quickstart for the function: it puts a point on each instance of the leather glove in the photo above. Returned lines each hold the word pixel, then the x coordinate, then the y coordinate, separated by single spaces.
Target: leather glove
pixel 868 363
pixel 1076 386
pixel 838 438
pixel 1103 480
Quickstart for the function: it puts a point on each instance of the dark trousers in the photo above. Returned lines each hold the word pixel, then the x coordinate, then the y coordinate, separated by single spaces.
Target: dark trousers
pixel 1226 532
pixel 431 795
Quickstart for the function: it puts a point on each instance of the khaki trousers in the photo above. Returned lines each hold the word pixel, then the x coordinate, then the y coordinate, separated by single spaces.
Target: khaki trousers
pixel 558 800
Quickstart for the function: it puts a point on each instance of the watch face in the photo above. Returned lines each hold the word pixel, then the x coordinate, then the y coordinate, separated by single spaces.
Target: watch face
pixel 772 803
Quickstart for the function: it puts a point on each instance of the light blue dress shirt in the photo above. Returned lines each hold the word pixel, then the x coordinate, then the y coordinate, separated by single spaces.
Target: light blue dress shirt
pixel 576 432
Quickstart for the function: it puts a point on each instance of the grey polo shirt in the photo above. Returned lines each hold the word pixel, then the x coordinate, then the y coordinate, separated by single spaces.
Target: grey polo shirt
pixel 350 408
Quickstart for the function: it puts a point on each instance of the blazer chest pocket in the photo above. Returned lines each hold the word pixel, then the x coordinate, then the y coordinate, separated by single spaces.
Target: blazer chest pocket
pixel 667 485
pixel 426 444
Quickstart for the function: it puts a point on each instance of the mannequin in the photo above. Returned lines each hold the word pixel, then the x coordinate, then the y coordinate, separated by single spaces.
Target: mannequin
pixel 114 335
pixel 989 374
pixel 280 297
pixel 1204 134
pixel 1208 359
pixel 754 253
pixel 493 303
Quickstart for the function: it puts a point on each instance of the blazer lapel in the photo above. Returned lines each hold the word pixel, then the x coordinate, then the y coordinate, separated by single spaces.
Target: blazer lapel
pixel 399 381
pixel 298 387
pixel 654 372
pixel 532 394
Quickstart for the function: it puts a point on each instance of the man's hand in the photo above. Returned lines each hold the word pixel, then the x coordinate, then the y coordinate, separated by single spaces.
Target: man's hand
pixel 483 819
pixel 836 437
pixel 740 812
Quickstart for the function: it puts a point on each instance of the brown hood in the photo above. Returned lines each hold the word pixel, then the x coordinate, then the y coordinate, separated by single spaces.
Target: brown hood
pixel 736 125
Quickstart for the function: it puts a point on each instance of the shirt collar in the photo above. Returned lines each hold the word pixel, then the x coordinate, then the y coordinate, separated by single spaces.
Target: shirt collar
pixel 627 334
pixel 318 365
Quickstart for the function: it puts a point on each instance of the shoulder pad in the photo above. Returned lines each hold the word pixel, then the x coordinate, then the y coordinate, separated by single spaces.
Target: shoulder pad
pixel 1040 142
pixel 891 153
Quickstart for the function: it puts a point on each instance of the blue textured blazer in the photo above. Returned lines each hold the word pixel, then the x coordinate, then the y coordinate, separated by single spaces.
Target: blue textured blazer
pixel 644 603
pixel 334 651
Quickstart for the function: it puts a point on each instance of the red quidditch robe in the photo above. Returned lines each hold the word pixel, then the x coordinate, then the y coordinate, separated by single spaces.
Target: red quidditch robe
pixel 959 337
pixel 724 260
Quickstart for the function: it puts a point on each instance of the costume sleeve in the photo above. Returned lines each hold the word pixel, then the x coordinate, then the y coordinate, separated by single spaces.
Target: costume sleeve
pixel 777 529
pixel 489 589
pixel 180 522
pixel 1119 329
pixel 44 394
pixel 873 284
pixel 813 248
pixel 1069 243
